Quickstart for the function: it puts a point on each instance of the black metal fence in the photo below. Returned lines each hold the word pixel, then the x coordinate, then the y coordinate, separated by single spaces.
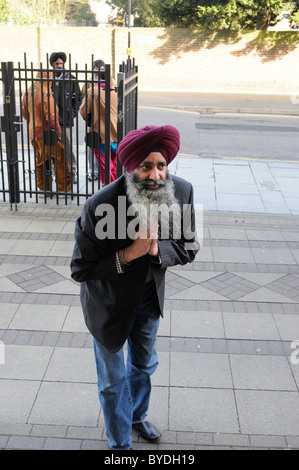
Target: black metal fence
pixel 60 130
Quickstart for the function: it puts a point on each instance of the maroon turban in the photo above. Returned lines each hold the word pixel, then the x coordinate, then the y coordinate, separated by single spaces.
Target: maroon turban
pixel 138 144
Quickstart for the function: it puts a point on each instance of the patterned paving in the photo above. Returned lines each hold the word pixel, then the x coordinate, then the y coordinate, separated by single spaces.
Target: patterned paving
pixel 230 286
pixel 184 285
pixel 221 286
pixel 287 285
pixel 35 278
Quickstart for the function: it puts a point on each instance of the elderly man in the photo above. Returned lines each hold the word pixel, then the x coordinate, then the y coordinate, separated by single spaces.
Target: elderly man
pixel 123 249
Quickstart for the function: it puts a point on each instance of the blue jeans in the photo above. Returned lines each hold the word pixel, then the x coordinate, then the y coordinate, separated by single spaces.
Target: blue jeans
pixel 91 157
pixel 124 390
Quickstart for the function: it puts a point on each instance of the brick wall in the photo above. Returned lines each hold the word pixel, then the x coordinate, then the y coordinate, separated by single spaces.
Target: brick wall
pixel 170 59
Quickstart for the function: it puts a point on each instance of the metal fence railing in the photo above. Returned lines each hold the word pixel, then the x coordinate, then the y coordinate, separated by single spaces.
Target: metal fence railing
pixel 60 130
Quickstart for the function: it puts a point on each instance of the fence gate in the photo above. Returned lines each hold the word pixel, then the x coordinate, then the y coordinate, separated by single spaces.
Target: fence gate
pixel 60 129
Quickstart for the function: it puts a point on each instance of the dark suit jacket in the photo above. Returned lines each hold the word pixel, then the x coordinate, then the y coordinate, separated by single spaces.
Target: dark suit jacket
pixel 110 300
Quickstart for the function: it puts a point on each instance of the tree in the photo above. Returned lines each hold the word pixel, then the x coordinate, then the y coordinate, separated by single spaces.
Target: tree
pixel 294 13
pixel 222 14
pixel 31 12
pixel 267 13
pixel 78 11
pixel 4 11
pixel 146 12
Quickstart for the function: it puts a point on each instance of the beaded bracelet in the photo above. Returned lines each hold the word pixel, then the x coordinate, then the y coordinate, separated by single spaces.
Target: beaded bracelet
pixel 123 258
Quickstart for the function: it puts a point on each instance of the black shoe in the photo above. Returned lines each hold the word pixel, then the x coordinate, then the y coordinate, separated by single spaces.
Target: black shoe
pixel 147 431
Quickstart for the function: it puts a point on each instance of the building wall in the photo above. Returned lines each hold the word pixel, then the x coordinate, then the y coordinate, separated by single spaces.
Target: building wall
pixel 169 59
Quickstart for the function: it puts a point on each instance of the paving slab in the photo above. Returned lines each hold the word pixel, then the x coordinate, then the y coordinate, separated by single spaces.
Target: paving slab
pixel 268 412
pixel 262 373
pixel 259 326
pixel 16 400
pixel 200 370
pixel 58 403
pixel 25 362
pixel 39 317
pixel 215 410
pixel 208 324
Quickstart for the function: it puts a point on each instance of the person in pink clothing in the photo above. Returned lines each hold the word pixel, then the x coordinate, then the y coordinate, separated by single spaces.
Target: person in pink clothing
pixel 93 105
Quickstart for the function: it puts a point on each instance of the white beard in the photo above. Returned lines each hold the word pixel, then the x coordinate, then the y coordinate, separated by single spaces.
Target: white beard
pixel 156 206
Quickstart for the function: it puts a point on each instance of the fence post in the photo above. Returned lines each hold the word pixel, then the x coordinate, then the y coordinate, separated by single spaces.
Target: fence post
pixel 120 115
pixel 127 91
pixel 107 124
pixel 10 125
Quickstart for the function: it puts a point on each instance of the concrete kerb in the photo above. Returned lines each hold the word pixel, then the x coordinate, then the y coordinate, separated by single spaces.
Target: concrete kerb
pixel 227 110
pixel 223 101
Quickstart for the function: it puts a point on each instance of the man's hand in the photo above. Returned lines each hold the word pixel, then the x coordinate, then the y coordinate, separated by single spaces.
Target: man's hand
pixel 145 242
pixel 154 249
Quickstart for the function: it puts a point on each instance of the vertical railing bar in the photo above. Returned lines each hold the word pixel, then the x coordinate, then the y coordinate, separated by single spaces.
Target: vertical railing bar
pixel 2 170
pixel 107 124
pixel 88 149
pixel 98 130
pixel 34 136
pixel 21 135
pixel 28 136
pixel 120 116
pixel 56 120
pixel 93 143
pixel 77 142
pixel 72 163
pixel 43 139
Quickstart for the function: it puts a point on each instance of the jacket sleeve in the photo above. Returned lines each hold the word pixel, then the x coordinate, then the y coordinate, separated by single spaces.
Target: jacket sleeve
pixel 91 259
pixel 183 251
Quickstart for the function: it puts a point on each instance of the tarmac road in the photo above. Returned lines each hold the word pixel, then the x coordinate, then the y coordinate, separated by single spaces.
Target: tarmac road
pixel 225 128
pixel 223 125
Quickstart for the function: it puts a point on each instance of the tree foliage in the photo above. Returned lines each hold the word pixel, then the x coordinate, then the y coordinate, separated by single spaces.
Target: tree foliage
pixel 146 12
pixel 199 14
pixel 294 16
pixel 206 14
pixel 222 14
pixel 31 12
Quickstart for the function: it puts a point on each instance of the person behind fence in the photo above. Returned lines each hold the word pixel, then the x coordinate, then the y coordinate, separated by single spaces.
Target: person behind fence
pixel 121 263
pixel 68 97
pixel 93 173
pixel 93 105
pixel 39 109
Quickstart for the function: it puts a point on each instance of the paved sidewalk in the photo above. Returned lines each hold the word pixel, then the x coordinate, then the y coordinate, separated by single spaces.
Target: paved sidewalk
pixel 242 185
pixel 229 368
